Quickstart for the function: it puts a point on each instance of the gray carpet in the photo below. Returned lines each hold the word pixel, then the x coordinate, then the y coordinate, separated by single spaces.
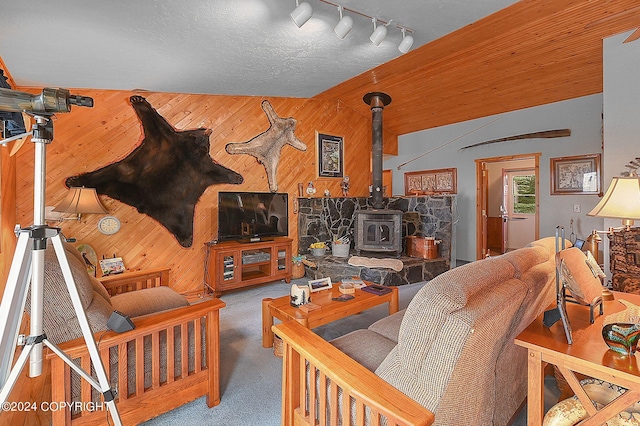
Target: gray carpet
pixel 250 375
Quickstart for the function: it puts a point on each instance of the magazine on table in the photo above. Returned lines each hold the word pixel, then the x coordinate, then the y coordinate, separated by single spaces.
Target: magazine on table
pixel 376 289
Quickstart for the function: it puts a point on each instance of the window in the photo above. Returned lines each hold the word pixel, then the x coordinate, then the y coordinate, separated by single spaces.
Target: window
pixel 524 194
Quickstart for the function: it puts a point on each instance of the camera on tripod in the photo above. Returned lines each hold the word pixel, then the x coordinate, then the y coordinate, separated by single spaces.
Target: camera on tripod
pixel 50 101
pixel 47 103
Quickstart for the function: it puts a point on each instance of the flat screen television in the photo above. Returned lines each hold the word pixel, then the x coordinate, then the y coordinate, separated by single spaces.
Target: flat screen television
pixel 252 216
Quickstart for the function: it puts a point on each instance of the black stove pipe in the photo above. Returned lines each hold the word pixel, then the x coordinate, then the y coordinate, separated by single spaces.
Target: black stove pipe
pixel 377 101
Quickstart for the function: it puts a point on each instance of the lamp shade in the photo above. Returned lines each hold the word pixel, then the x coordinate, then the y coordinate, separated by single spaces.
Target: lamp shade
pixel 343 27
pixel 621 201
pixel 301 13
pixel 81 200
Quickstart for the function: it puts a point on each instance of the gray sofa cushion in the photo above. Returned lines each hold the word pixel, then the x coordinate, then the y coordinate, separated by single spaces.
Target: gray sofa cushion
pixel 436 325
pixel 365 346
pixel 389 327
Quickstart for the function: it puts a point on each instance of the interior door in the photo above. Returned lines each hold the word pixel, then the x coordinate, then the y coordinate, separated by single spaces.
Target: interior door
pixel 484 202
pixel 520 205
pixel 504 212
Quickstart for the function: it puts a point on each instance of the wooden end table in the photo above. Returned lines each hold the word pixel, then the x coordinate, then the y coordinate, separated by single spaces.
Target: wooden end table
pixel 330 310
pixel 588 355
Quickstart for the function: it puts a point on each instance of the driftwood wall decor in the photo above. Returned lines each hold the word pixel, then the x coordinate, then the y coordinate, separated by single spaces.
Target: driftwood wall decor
pixel 266 147
pixel 164 176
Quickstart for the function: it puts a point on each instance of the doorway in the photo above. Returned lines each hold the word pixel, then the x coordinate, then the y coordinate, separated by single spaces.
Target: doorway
pixel 507 203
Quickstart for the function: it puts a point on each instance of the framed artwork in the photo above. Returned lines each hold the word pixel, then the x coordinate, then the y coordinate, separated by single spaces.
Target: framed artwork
pixel 438 181
pixel 579 174
pixel 330 155
pixel 320 284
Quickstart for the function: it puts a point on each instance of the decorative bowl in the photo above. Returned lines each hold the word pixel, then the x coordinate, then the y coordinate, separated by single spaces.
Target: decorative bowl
pixel 622 337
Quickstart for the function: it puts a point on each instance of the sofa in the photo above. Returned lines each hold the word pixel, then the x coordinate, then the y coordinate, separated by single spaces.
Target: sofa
pixel 170 358
pixel 447 359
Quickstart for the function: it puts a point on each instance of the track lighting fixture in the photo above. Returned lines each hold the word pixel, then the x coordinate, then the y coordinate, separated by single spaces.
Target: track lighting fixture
pixel 379 32
pixel 344 26
pixel 407 41
pixel 301 13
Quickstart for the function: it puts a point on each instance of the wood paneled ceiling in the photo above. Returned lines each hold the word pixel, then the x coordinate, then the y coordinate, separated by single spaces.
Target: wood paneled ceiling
pixel 532 53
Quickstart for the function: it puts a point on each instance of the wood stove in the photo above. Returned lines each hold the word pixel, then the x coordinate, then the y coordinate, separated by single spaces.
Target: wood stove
pixel 378 231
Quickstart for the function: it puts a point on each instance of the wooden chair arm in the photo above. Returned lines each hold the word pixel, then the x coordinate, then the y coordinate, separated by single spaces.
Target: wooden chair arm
pixel 145 325
pixel 302 346
pixel 135 280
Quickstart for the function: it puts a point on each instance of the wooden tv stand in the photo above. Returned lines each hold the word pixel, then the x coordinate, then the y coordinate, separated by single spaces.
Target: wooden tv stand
pixel 233 264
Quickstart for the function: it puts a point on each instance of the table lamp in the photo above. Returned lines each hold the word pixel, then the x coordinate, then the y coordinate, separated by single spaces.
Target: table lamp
pixel 79 201
pixel 621 201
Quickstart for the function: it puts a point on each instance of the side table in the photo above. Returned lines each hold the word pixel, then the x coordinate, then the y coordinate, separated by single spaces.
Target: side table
pixel 588 355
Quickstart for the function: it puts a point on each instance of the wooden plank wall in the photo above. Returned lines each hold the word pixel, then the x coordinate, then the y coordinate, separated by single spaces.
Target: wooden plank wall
pixel 89 138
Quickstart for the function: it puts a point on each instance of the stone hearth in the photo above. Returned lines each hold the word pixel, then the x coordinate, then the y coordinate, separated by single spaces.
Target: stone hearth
pixel 415 270
pixel 326 219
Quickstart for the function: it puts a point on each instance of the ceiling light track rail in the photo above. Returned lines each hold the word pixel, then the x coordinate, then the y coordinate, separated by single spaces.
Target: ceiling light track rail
pixel 303 12
pixel 378 20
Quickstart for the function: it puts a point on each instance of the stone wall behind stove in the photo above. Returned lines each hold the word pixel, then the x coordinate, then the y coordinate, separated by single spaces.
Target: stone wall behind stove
pixel 326 219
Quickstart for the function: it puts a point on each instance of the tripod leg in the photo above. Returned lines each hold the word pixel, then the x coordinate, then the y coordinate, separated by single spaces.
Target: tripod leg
pixel 12 306
pixel 105 387
pixel 15 372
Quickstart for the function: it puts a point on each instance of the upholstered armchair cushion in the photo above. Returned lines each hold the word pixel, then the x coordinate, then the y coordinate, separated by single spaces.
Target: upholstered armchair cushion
pixel 367 347
pixel 61 322
pixel 148 301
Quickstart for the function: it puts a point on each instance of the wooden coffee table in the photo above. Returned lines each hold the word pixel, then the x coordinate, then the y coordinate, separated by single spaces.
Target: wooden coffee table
pixel 330 310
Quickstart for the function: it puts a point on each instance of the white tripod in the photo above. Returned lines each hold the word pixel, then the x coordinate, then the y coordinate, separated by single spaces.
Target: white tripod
pixel 28 266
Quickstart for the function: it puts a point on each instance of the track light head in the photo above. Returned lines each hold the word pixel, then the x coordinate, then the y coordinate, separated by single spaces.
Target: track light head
pixel 344 26
pixel 301 13
pixel 406 43
pixel 379 33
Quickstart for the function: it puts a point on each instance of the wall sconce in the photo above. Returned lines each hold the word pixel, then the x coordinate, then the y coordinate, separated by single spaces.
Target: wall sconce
pixel 79 201
pixel 302 13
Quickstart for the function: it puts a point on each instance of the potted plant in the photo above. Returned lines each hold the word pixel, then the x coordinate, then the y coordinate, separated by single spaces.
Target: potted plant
pixel 297 267
pixel 318 249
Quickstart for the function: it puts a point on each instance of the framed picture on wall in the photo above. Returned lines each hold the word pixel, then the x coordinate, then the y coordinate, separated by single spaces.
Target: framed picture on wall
pixel 578 174
pixel 329 155
pixel 440 181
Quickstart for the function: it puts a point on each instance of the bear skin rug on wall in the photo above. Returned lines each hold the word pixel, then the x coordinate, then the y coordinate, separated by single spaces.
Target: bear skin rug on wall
pixel 266 147
pixel 165 176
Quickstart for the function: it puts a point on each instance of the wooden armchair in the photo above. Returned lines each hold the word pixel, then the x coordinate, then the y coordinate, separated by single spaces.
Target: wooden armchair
pixel 170 358
pixel 309 360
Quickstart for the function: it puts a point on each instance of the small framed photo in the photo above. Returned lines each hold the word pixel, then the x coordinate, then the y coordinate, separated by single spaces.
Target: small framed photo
pixel 330 155
pixel 579 174
pixel 320 284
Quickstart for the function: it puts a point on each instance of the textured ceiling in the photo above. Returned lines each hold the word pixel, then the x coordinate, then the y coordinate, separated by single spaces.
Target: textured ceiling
pixel 239 47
